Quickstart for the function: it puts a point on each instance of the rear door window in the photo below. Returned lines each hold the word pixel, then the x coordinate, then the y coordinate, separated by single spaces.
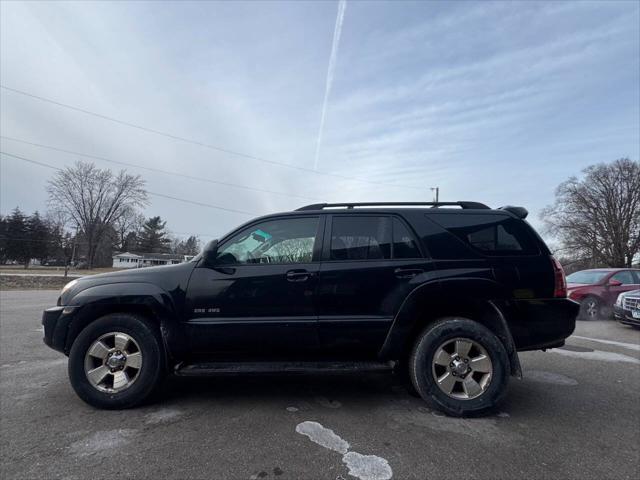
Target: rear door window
pixel 493 235
pixel 626 278
pixel 360 238
pixel 404 243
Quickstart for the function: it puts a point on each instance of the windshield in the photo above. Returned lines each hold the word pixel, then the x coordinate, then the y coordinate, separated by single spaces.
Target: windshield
pixel 587 277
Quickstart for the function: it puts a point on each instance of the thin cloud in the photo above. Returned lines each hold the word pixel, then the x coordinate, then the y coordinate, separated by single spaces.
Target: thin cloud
pixel 342 6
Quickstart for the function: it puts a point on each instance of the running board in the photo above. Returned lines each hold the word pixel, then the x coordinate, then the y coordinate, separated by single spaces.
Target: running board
pixel 238 368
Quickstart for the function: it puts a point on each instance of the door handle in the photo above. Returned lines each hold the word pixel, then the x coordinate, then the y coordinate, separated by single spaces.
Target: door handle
pixel 407 272
pixel 298 275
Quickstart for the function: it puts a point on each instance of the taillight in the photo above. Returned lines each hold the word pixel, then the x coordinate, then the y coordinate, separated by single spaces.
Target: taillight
pixel 560 288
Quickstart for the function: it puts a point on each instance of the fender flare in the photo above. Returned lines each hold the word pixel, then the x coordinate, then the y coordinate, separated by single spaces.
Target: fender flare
pixel 482 291
pixel 96 301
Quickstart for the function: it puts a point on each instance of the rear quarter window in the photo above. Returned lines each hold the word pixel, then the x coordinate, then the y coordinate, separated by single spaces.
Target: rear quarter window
pixel 492 235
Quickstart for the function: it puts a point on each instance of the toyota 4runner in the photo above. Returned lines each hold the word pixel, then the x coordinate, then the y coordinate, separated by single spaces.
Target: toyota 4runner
pixel 447 292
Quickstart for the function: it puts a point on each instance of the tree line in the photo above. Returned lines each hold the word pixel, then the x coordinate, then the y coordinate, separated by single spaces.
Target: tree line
pixel 92 214
pixel 594 221
pixel 25 238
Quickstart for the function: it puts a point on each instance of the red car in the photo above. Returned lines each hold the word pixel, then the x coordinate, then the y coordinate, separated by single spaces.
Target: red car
pixel 598 289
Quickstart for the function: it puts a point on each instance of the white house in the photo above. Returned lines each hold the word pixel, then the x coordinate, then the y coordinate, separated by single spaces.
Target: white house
pixel 138 260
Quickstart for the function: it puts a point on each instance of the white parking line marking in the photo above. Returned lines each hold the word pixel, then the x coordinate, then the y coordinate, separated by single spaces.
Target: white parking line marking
pixel 364 467
pixel 597 355
pixel 630 346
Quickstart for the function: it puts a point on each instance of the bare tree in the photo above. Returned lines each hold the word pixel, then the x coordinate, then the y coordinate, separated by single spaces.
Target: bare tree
pixel 95 199
pixel 130 221
pixel 598 217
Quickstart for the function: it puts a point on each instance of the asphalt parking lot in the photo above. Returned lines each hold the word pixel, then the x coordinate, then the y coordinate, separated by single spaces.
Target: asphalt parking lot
pixel 576 414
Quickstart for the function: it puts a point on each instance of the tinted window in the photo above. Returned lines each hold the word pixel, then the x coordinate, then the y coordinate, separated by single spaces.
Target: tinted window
pixel 625 277
pixel 404 244
pixel 287 240
pixel 491 234
pixel 360 238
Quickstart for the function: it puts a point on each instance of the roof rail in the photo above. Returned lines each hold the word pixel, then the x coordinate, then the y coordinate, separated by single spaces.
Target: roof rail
pixel 465 205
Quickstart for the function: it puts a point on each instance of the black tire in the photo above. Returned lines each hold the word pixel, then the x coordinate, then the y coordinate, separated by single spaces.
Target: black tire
pixel 149 376
pixel 590 308
pixel 421 367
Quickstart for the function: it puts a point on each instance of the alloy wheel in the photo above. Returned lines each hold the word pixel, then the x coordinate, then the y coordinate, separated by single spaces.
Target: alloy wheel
pixel 113 362
pixel 591 308
pixel 462 368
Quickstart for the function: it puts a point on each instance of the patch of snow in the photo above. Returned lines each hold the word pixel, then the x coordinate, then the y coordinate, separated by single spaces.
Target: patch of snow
pixel 367 467
pixel 549 377
pixel 630 346
pixel 597 355
pixel 363 467
pixel 323 436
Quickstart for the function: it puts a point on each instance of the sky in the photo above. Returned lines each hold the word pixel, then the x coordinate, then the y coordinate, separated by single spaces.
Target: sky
pixel 304 102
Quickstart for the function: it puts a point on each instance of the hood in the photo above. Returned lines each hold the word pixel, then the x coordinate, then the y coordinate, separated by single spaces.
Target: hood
pixel 165 276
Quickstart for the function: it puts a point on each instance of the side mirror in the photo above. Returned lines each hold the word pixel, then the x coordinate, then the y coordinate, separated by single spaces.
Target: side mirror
pixel 210 252
pixel 614 283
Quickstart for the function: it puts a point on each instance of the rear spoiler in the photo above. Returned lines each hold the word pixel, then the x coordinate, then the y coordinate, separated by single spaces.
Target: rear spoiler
pixel 519 212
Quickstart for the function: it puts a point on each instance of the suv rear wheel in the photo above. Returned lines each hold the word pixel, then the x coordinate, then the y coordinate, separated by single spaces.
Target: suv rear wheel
pixel 459 366
pixel 116 361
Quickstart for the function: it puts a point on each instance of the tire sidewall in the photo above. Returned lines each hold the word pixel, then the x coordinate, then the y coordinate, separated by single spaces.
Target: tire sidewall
pixel 150 372
pixel 422 358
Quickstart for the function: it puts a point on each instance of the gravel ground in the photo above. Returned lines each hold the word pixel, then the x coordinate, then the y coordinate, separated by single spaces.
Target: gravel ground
pixel 576 414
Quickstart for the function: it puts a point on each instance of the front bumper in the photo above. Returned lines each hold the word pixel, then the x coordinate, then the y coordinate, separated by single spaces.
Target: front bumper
pixel 542 323
pixel 625 316
pixel 56 321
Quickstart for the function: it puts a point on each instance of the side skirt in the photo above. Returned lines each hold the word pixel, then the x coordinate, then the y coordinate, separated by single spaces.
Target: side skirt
pixel 207 369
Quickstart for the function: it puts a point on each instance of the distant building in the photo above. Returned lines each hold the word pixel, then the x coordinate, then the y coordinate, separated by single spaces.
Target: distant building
pixel 139 260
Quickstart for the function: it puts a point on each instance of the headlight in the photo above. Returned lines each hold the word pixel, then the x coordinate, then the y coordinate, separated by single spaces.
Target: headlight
pixel 68 286
pixel 620 300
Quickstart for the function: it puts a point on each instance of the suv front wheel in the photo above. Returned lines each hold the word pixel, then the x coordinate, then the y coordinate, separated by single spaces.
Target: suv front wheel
pixel 459 366
pixel 116 361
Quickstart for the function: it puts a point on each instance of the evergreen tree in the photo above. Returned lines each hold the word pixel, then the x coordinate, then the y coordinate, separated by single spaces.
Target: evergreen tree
pixel 3 239
pixel 153 238
pixel 38 238
pixel 17 239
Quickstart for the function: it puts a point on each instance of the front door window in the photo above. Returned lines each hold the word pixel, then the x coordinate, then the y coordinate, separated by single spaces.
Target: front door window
pixel 282 241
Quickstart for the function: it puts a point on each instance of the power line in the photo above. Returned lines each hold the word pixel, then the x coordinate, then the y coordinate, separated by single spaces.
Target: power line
pixel 159 170
pixel 42 164
pixel 193 202
pixel 202 144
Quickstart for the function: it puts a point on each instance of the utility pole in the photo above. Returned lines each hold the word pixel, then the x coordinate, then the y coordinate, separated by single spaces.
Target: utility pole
pixel 437 190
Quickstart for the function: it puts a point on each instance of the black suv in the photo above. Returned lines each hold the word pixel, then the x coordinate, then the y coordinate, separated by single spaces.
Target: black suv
pixel 448 292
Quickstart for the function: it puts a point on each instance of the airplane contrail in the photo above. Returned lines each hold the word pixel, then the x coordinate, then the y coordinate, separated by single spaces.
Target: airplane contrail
pixel 342 6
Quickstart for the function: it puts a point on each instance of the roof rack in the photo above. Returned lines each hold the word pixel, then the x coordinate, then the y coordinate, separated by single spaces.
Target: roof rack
pixel 464 205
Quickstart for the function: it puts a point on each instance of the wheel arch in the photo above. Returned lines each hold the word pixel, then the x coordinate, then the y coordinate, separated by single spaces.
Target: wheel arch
pixel 148 301
pixel 432 301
